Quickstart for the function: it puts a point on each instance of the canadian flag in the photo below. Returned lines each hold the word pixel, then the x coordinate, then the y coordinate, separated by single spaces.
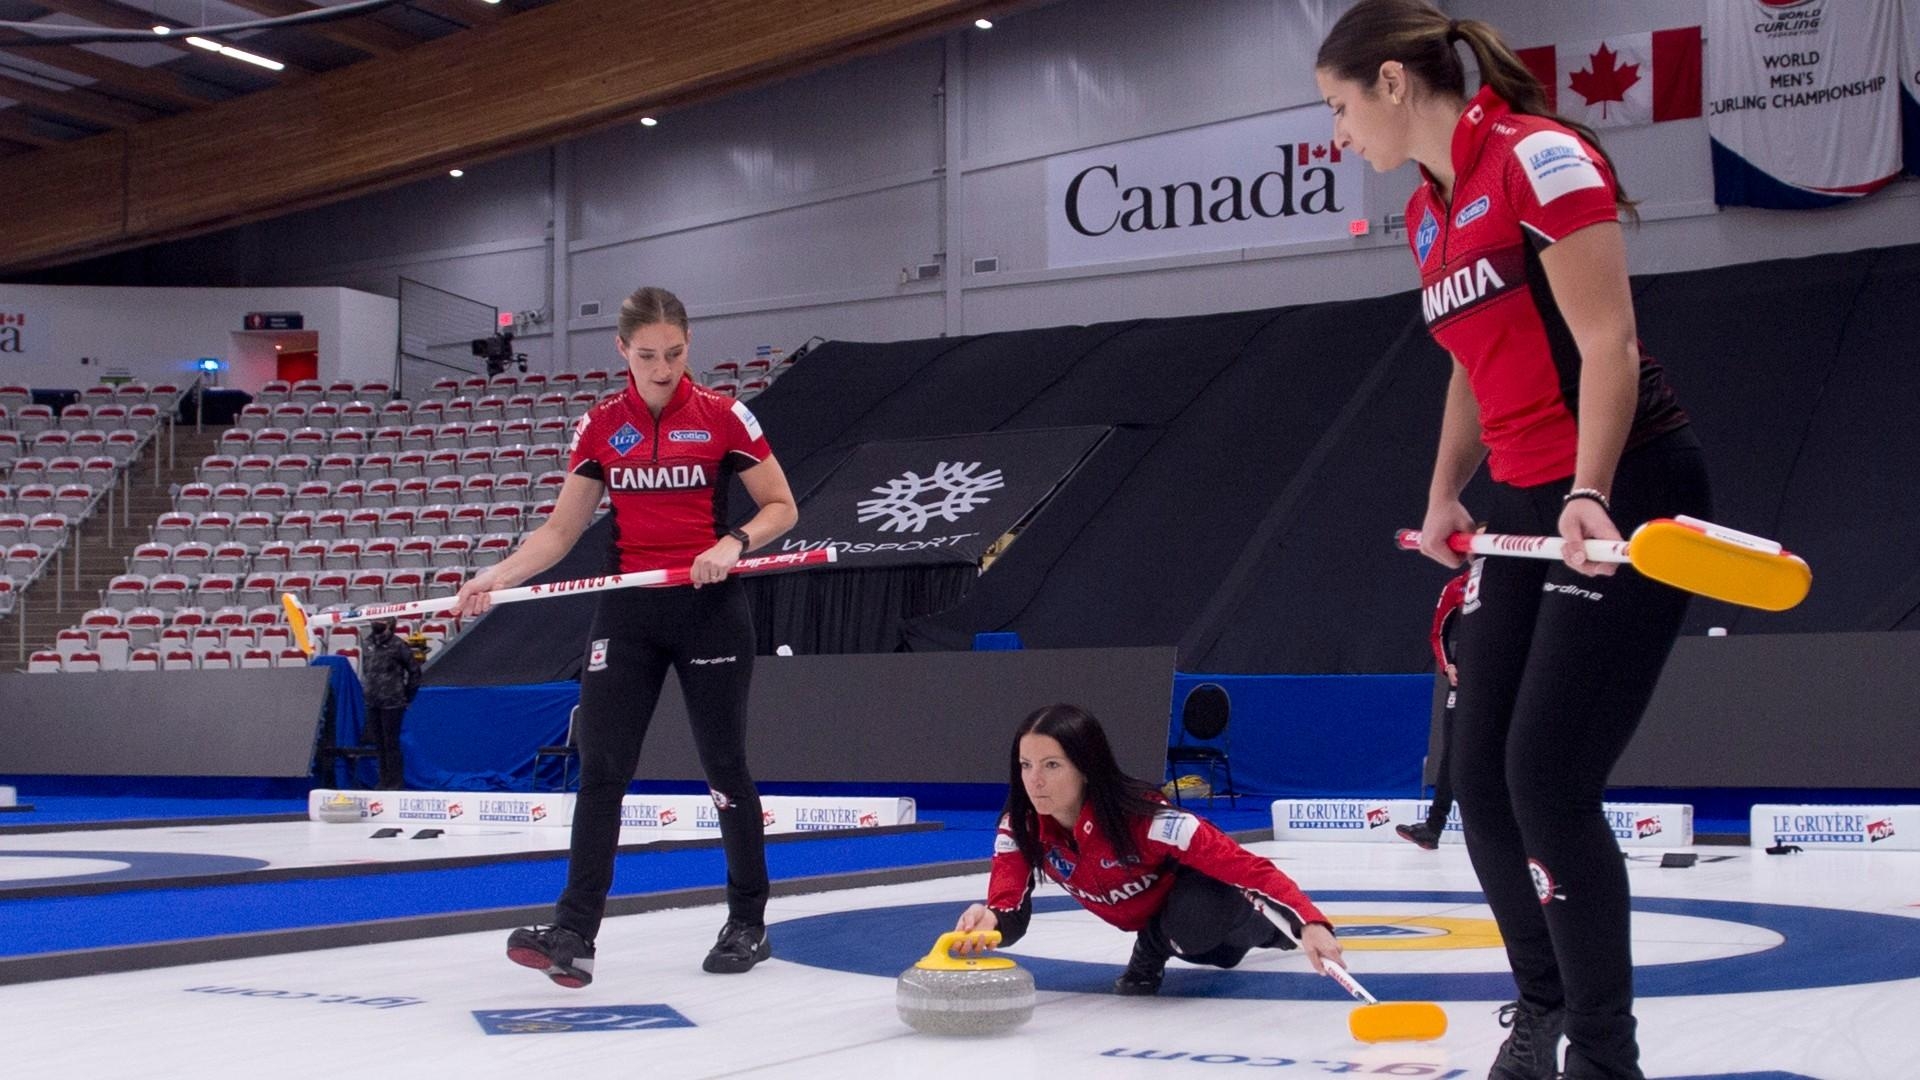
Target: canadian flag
pixel 1621 81
pixel 1317 154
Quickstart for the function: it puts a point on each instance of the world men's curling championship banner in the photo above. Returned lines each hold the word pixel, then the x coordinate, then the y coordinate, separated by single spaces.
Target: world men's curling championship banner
pixel 1910 82
pixel 934 500
pixel 1252 182
pixel 1803 100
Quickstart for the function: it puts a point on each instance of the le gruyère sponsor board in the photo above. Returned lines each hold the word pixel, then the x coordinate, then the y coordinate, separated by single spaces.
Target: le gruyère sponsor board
pixel 451 807
pixel 1853 828
pixel 812 814
pixel 688 814
pixel 1637 825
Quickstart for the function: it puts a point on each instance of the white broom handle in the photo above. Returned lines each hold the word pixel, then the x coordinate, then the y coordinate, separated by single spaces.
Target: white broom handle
pixel 676 576
pixel 1351 984
pixel 1527 547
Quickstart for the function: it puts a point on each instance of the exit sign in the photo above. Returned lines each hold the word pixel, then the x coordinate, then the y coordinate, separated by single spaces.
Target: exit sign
pixel 273 320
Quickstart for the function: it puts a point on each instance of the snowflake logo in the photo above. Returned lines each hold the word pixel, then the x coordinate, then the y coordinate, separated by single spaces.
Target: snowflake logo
pixel 960 488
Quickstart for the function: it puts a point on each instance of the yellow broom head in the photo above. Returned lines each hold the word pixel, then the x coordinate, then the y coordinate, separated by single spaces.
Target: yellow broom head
pixel 1714 561
pixel 297 622
pixel 1399 1021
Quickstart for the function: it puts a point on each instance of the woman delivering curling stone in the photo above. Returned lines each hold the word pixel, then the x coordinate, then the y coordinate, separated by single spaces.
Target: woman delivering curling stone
pixel 1515 231
pixel 1114 844
pixel 666 448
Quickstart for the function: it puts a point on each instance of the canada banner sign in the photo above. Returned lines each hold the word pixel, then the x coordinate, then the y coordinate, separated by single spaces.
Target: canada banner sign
pixel 1258 181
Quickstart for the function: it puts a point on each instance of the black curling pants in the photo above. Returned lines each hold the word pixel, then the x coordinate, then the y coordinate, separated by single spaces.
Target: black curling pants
pixel 1207 921
pixel 1442 805
pixel 706 637
pixel 1556 670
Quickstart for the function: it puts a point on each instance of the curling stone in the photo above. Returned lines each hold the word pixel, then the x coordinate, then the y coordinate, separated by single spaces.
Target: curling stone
pixel 945 994
pixel 339 808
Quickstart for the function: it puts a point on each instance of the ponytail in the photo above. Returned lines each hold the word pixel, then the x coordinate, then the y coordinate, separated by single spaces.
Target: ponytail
pixel 1422 39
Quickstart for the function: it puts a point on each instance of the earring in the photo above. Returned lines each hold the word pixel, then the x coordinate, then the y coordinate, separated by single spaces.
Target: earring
pixel 1396 99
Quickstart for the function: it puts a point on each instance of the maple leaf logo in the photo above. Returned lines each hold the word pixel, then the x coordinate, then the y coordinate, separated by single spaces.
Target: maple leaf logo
pixel 1605 79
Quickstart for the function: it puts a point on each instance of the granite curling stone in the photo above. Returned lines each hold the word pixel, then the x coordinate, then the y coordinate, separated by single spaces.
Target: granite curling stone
pixel 945 994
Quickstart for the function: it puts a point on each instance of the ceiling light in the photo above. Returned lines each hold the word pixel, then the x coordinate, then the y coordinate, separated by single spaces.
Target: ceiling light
pixel 163 31
pixel 232 53
pixel 648 121
pixel 983 24
pixel 456 173
pixel 250 58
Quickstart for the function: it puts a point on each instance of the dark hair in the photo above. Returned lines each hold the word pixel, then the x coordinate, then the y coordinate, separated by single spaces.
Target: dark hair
pixel 1116 798
pixel 1421 37
pixel 650 305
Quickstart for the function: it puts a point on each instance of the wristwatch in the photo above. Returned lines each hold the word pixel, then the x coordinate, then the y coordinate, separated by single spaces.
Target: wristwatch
pixel 741 535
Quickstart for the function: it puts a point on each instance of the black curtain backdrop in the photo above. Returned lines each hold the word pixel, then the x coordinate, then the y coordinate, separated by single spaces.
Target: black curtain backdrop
pixel 851 611
pixel 1244 504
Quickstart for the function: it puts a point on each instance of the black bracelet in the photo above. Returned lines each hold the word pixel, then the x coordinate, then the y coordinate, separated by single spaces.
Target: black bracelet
pixel 741 535
pixel 1587 493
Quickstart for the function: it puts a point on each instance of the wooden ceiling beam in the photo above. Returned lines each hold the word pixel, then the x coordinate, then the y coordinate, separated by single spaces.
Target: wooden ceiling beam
pixel 82 105
pixel 14 128
pixel 365 34
pixel 459 99
pixel 132 79
pixel 117 16
pixel 465 12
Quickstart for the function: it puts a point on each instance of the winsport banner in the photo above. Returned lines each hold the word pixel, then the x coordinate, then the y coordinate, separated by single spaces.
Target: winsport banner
pixel 941 500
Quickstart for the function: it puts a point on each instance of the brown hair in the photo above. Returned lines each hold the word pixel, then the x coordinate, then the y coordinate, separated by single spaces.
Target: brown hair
pixel 650 305
pixel 1421 37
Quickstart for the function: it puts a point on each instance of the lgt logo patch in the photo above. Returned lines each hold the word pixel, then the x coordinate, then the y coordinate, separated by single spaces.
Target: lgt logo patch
pixel 1062 866
pixel 624 440
pixel 560 1021
pixel 1879 830
pixel 1647 826
pixel 1423 240
pixel 1378 816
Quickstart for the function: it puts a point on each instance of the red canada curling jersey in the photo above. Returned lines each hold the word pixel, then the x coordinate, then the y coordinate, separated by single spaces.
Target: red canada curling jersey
pixel 1521 184
pixel 1451 597
pixel 1128 894
pixel 667 477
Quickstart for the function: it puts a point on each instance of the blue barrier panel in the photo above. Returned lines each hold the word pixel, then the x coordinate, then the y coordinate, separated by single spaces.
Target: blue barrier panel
pixel 482 738
pixel 1322 734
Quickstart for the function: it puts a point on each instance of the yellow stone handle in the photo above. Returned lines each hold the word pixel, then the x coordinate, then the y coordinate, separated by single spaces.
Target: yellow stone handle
pixel 941 958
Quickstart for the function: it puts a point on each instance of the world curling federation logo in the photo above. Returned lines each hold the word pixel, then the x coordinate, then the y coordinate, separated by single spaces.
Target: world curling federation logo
pixel 957 489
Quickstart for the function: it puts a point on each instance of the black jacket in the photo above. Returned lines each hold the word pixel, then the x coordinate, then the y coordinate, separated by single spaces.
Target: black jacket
pixel 389 671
